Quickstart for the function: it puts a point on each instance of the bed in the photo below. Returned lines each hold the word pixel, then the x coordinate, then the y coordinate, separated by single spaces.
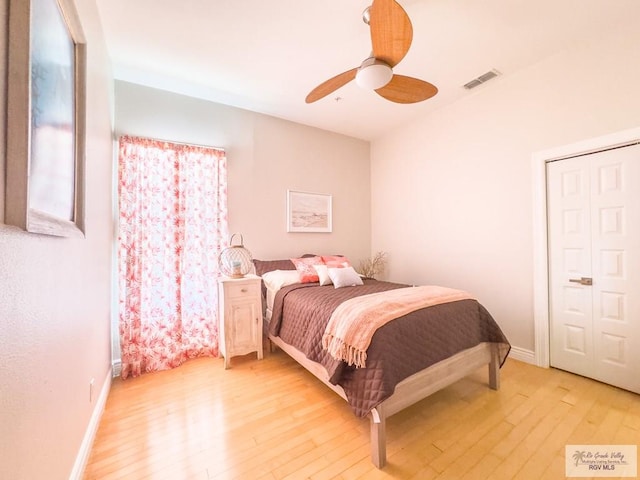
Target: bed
pixel 407 358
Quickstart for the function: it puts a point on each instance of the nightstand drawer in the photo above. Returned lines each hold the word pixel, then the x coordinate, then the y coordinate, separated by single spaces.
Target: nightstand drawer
pixel 243 290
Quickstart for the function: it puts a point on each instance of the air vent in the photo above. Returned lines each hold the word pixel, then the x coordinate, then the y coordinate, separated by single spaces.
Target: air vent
pixel 485 77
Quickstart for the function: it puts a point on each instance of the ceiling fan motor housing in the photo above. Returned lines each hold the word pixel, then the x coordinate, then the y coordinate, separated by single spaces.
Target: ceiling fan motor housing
pixel 373 74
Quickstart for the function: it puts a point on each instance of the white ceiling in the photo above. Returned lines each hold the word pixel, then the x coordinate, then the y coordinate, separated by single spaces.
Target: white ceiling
pixel 266 55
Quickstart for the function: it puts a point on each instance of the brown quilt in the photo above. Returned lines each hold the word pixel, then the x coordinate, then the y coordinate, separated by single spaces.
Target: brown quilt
pixel 399 349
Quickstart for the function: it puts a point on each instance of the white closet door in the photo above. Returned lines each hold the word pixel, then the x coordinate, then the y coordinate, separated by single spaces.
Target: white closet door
pixel 594 265
pixel 571 310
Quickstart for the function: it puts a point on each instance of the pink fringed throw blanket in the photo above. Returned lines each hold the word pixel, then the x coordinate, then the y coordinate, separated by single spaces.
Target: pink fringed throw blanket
pixel 353 322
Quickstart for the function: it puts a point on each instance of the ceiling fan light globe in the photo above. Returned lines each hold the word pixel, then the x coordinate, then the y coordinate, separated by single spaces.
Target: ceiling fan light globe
pixel 374 76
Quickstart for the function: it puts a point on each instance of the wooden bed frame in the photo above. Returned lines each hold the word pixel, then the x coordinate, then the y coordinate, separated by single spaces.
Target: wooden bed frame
pixel 412 389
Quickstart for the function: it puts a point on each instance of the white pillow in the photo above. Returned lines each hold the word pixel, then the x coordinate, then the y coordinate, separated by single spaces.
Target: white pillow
pixel 344 277
pixel 276 279
pixel 323 274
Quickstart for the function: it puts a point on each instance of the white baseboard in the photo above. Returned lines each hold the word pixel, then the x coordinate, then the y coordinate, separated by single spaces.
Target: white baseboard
pixel 92 429
pixel 523 355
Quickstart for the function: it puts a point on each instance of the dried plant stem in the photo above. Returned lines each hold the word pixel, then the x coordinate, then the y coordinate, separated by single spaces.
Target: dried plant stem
pixel 373 266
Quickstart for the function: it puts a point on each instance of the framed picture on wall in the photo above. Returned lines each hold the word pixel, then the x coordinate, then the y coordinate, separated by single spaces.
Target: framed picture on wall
pixel 46 118
pixel 308 212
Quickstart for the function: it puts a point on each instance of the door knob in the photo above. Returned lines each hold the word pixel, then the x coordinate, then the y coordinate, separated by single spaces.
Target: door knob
pixel 582 280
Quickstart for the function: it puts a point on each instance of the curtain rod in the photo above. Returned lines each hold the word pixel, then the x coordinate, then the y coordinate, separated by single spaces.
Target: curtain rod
pixel 173 141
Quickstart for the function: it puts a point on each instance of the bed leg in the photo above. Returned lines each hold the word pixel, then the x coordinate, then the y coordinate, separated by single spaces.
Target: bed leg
pixel 271 347
pixel 494 369
pixel 378 438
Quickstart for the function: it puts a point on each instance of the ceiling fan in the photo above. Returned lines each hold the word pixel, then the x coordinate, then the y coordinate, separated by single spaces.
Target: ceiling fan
pixel 391 35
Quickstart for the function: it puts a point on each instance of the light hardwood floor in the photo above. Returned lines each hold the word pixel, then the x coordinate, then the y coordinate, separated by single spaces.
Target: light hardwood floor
pixel 271 419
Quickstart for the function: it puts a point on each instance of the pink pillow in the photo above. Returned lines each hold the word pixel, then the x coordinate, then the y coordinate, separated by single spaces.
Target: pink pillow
pixel 305 268
pixel 335 261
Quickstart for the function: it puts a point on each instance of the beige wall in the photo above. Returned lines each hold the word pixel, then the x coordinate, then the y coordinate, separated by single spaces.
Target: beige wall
pixel 55 302
pixel 453 191
pixel 266 156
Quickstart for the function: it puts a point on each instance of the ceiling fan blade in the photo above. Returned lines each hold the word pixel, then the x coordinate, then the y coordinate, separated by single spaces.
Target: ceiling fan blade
pixel 331 85
pixel 391 31
pixel 403 89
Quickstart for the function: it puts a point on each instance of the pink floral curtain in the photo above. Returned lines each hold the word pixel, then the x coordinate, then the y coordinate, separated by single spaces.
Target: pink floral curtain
pixel 172 227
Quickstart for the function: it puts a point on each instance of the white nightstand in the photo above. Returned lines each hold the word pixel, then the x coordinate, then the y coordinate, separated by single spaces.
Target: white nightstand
pixel 240 312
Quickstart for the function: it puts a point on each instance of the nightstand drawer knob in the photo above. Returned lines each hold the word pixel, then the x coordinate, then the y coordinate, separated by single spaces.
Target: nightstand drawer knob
pixel 244 290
